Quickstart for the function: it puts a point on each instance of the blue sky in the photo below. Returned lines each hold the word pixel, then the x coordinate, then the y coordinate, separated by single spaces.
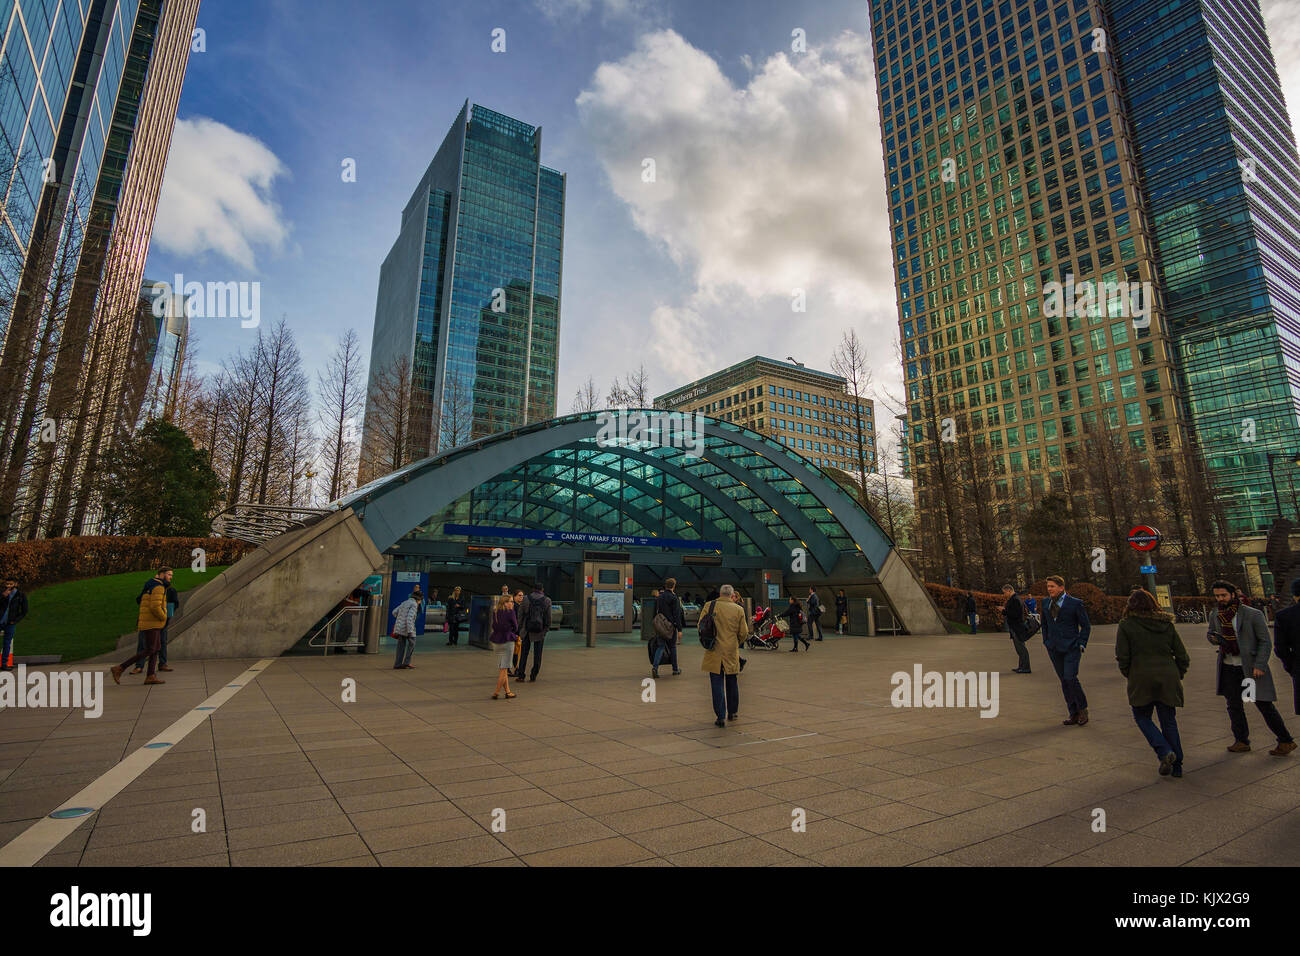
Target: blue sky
pixel 769 172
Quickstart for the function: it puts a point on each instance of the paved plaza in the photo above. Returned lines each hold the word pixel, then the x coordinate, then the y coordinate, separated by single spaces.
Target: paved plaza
pixel 418 770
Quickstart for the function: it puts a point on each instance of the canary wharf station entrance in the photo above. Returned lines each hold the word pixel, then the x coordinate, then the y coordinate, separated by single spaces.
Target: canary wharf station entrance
pixel 602 521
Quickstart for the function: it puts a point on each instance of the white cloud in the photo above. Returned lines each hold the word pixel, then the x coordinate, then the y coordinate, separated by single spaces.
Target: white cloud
pixel 759 191
pixel 216 196
pixel 573 9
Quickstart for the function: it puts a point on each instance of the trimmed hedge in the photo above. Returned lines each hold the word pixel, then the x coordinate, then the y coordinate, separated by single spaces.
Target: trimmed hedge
pixel 54 560
pixel 1102 608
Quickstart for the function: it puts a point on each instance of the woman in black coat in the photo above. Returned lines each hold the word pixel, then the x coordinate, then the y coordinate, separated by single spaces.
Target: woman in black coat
pixel 794 614
pixel 841 612
pixel 455 615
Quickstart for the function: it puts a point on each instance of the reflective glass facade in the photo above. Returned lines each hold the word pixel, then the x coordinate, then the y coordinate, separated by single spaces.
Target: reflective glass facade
pixel 1029 142
pixel 471 289
pixel 1222 185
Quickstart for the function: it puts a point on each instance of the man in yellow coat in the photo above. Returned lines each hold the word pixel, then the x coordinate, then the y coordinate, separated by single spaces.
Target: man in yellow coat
pixel 722 663
pixel 150 621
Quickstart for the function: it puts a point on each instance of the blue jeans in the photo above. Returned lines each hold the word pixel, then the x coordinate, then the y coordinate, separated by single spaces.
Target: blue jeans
pixel 730 704
pixel 1165 739
pixel 669 651
pixel 162 647
pixel 1067 669
pixel 973 619
pixel 405 648
pixel 7 658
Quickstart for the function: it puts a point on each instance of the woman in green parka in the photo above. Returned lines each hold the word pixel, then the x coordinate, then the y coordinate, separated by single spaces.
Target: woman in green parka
pixel 1151 655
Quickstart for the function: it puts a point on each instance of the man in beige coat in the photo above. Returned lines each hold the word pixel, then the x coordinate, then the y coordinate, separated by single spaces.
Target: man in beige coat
pixel 722 664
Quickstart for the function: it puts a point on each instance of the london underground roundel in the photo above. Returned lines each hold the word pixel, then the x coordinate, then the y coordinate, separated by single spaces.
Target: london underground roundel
pixel 1143 538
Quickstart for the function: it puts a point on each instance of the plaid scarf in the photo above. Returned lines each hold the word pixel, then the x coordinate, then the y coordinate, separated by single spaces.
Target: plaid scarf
pixel 1226 631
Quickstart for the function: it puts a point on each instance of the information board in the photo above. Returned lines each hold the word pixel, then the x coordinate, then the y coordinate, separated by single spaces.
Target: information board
pixel 609 605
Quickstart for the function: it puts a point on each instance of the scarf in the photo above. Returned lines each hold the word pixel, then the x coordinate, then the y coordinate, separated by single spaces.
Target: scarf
pixel 1226 632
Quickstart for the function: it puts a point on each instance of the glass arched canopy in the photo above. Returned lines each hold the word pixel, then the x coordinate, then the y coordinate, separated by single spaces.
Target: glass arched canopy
pixel 557 483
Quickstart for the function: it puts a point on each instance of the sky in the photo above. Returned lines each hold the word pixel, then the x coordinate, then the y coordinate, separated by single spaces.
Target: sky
pixel 768 179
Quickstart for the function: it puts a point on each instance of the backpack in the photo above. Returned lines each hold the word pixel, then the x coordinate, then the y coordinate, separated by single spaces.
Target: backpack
pixel 708 628
pixel 535 617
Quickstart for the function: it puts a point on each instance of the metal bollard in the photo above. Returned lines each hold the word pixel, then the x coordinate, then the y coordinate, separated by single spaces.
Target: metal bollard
pixel 871 618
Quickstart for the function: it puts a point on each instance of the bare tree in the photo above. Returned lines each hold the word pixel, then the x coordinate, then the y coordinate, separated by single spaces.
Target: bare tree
pixel 587 398
pixel 342 394
pixel 850 363
pixel 387 441
pixel 634 392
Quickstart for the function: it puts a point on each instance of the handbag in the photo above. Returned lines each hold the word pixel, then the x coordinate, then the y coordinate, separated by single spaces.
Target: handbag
pixel 1032 624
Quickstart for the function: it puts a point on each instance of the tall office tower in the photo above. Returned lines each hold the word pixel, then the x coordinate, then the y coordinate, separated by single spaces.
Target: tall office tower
pixel 153 380
pixel 88 98
pixel 1076 246
pixel 469 295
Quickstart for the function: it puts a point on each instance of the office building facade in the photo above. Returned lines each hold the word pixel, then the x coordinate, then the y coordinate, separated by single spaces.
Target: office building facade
pixel 88 99
pixel 1066 208
pixel 808 411
pixel 469 295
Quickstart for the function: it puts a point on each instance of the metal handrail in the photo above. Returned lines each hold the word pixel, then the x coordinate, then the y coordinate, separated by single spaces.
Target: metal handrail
pixel 258 524
pixel 358 641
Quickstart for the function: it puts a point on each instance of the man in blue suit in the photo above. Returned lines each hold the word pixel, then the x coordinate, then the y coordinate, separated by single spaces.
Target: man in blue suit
pixel 1065 634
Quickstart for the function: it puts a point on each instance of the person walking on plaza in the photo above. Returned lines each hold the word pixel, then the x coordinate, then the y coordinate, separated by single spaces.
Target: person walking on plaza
pixel 1241 634
pixel 519 630
pixel 537 621
pixel 841 612
pixel 150 620
pixel 794 614
pixel 1031 603
pixel 814 614
pixel 722 661
pixel 455 616
pixel 505 626
pixel 173 602
pixel 669 631
pixel 404 629
pixel 1065 635
pixel 1287 640
pixel 1151 655
pixel 14 605
pixel 972 612
pixel 1014 613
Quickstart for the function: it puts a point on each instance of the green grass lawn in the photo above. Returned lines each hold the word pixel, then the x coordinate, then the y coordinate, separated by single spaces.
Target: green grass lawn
pixel 80 619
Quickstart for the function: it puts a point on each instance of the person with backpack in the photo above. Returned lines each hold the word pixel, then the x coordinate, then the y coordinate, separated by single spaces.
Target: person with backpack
pixel 14 605
pixel 669 623
pixel 841 612
pixel 722 630
pixel 150 621
pixel 814 614
pixel 404 629
pixel 455 616
pixel 794 614
pixel 537 621
pixel 173 602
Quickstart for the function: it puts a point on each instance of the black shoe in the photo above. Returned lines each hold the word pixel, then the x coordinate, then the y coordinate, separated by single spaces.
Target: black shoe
pixel 719 723
pixel 732 716
pixel 1177 771
pixel 795 649
pixel 676 671
pixel 1021 670
pixel 654 672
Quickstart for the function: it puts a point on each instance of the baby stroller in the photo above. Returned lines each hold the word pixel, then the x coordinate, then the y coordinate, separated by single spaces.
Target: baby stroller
pixel 767 630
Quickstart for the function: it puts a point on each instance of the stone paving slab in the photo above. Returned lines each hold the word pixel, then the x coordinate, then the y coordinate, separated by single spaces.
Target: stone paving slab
pixel 423 769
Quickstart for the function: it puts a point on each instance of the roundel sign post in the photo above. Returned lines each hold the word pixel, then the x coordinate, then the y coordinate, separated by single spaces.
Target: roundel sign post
pixel 1145 539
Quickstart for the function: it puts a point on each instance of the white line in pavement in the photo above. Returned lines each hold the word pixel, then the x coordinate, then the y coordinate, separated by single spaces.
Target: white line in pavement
pixel 45 834
pixel 772 740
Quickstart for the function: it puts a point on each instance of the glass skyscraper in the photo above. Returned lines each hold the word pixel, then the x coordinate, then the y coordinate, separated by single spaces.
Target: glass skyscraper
pixel 469 295
pixel 1033 146
pixel 88 98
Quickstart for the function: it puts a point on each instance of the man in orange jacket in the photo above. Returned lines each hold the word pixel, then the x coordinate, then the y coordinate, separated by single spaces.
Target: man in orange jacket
pixel 150 623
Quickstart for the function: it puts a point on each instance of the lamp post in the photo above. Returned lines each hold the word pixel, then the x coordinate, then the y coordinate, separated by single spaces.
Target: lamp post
pixel 1289 456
